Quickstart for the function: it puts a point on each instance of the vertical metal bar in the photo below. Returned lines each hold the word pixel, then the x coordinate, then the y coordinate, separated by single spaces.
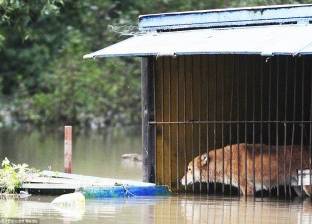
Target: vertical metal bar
pixel 207 139
pixel 253 126
pixel 237 73
pixel 184 119
pixel 293 123
pixel 277 123
pixel 199 109
pixel 222 117
pixel 214 125
pixel 231 109
pixel 177 152
pixel 155 72
pixel 302 124
pixel 310 138
pixel 246 118
pixel 192 118
pixel 162 120
pixel 261 123
pixel 169 126
pixel 285 124
pixel 269 127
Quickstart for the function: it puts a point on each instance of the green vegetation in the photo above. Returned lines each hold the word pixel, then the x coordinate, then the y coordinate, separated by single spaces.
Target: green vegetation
pixel 43 78
pixel 12 176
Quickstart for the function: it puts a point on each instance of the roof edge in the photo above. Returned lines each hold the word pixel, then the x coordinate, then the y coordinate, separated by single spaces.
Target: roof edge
pixel 278 14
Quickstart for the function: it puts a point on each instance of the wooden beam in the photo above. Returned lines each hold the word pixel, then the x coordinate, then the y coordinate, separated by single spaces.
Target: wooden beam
pixel 68 149
pixel 148 135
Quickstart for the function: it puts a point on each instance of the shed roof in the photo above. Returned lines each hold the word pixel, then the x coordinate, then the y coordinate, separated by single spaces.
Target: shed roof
pixel 228 31
pixel 264 40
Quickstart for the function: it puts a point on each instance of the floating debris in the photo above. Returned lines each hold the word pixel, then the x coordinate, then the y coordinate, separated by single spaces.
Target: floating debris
pixel 132 156
pixel 305 179
pixel 125 191
pixel 70 200
pixel 70 205
pixel 57 183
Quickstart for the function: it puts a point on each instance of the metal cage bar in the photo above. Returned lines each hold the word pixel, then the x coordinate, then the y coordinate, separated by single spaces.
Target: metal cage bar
pixel 192 118
pixel 246 118
pixel 155 118
pixel 207 127
pixel 302 124
pixel 230 126
pixel 162 118
pixel 237 126
pixel 310 136
pixel 231 108
pixel 199 117
pixel 215 126
pixel 261 124
pixel 293 124
pixel 285 126
pixel 184 119
pixel 253 126
pixel 222 123
pixel 178 125
pixel 276 125
pixel 269 126
pixel 169 126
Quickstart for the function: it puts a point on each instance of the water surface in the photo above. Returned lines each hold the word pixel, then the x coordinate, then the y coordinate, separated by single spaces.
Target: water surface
pixel 98 153
pixel 94 153
pixel 174 209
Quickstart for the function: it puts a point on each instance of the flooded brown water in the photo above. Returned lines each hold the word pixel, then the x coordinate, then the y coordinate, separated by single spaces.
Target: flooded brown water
pixel 94 153
pixel 174 209
pixel 99 154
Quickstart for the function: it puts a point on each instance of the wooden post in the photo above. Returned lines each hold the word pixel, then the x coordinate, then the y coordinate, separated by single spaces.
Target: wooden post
pixel 68 149
pixel 148 135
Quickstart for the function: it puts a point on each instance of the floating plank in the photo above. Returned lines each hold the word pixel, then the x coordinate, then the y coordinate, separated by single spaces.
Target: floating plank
pixel 43 186
pixel 125 191
pixel 55 183
pixel 91 179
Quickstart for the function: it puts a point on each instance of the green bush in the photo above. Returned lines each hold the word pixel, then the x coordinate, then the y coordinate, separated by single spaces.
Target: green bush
pixel 12 176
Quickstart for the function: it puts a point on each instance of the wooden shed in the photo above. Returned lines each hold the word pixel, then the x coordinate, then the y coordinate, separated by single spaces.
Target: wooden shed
pixel 219 77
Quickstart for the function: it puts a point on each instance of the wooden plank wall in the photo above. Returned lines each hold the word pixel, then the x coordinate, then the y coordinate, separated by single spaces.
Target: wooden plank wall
pixel 224 88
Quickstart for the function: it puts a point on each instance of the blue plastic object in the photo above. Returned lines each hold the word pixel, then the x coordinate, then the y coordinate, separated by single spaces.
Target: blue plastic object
pixel 124 191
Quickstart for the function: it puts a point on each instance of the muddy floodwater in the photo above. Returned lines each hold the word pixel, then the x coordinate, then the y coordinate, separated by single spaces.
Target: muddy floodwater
pixel 98 153
pixel 94 152
pixel 174 209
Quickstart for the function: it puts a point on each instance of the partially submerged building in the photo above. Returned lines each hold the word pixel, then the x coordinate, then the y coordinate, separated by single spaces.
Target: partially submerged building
pixel 218 77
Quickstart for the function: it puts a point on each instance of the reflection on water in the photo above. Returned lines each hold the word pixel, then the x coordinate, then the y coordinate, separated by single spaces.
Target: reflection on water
pixel 94 153
pixel 175 209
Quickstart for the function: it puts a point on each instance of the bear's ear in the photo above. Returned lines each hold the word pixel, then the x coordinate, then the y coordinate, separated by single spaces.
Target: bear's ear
pixel 204 159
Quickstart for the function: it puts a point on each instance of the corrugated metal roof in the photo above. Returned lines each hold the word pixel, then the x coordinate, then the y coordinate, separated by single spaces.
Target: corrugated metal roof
pixel 263 40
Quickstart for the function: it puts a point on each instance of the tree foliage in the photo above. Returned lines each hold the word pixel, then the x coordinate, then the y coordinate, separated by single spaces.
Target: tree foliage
pixel 42 74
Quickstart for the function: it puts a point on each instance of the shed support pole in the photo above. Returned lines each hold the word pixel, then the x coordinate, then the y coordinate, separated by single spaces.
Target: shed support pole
pixel 148 136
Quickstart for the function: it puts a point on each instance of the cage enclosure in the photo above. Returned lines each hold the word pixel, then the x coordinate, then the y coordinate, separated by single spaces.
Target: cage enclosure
pixel 234 82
